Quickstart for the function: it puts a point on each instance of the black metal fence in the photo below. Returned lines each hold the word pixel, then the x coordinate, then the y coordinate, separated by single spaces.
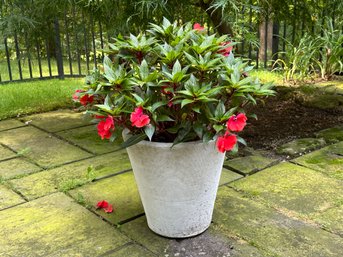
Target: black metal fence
pixel 69 48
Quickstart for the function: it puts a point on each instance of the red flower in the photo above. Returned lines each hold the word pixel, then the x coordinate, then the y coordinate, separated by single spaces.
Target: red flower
pixel 197 26
pixel 109 208
pixel 226 142
pixel 105 127
pixel 139 119
pixel 237 122
pixel 226 51
pixel 85 99
pixel 102 204
pixel 77 93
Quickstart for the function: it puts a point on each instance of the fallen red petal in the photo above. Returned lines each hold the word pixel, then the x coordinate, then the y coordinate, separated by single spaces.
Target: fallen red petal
pixel 109 208
pixel 102 204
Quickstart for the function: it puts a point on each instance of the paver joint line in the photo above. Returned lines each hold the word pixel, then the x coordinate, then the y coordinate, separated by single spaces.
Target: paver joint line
pixel 131 219
pixel 112 175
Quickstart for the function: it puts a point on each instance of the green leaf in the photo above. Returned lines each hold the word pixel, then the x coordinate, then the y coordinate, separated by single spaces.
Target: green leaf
pixel 176 67
pixel 218 128
pixel 164 118
pixel 196 109
pixel 182 133
pixel 149 131
pixel 220 110
pixel 138 98
pixel 144 70
pixel 185 102
pixel 254 116
pixel 133 140
pixel 156 105
pixel 198 129
pixel 241 140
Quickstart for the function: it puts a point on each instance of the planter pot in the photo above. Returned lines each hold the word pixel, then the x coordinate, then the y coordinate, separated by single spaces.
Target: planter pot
pixel 177 185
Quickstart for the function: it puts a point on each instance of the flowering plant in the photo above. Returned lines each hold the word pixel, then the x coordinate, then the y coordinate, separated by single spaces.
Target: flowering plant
pixel 173 83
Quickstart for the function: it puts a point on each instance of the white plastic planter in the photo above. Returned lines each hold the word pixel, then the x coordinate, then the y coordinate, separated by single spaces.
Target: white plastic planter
pixel 177 185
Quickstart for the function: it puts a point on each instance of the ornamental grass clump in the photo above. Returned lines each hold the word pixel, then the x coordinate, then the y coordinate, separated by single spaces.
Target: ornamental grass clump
pixel 172 83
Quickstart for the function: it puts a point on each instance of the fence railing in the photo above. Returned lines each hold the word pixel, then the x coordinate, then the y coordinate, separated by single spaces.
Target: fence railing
pixel 69 49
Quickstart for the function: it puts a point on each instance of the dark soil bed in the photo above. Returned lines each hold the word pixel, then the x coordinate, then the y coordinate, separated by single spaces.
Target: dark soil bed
pixel 280 121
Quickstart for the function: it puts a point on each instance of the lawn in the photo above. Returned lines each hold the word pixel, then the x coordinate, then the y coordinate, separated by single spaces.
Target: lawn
pixel 20 98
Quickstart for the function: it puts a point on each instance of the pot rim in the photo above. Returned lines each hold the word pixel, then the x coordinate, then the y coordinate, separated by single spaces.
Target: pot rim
pixel 126 133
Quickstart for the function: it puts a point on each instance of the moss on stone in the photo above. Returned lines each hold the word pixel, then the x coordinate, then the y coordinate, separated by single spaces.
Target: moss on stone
pixel 331 135
pixel 9 124
pixel 6 153
pixel 293 187
pixel 49 181
pixel 88 138
pixel 45 149
pixel 300 146
pixel 228 176
pixel 17 167
pixel 58 120
pixel 331 219
pixel 119 190
pixel 55 226
pixel 270 231
pixel 8 198
pixel 249 164
pixel 328 160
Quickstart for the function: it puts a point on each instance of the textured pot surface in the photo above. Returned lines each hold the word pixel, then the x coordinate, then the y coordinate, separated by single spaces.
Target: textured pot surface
pixel 177 185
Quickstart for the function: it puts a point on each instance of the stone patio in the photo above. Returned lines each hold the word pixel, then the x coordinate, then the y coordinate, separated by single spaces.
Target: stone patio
pixel 54 169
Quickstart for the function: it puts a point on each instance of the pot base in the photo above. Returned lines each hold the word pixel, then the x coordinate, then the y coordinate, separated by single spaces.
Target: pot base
pixel 179 236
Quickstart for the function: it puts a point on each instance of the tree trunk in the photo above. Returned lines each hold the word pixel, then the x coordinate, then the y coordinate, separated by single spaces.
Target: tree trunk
pixel 216 17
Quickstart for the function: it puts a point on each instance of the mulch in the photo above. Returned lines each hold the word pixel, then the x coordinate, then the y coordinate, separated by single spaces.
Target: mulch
pixel 280 121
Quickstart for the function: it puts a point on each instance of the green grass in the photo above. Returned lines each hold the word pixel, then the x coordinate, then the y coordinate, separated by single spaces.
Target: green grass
pixel 268 76
pixel 20 98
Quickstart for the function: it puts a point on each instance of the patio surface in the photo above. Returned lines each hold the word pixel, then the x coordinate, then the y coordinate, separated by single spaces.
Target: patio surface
pixel 54 169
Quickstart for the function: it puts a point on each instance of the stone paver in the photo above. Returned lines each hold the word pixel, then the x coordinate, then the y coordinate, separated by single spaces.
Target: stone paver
pixel 228 176
pixel 16 167
pixel 6 153
pixel 249 164
pixel 208 244
pixel 49 181
pixel 328 160
pixel 331 135
pixel 55 226
pixel 9 124
pixel 8 198
pixel 300 146
pixel 293 187
pixel 331 219
pixel 88 138
pixel 45 149
pixel 58 120
pixel 271 231
pixel 120 190
pixel 132 250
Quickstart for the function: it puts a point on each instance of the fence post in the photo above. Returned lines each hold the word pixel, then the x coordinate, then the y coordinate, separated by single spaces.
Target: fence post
pixel 59 57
